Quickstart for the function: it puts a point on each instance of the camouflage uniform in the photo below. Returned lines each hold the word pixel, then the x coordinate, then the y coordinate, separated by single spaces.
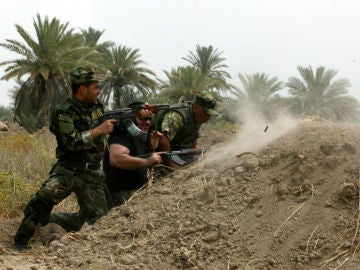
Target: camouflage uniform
pixel 77 170
pixel 180 125
pixel 181 128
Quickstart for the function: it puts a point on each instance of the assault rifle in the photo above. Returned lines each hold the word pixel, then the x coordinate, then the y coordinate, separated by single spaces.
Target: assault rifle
pixel 178 155
pixel 125 116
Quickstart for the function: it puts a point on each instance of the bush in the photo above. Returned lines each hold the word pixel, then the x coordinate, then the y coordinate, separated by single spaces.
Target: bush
pixel 25 162
pixel 6 114
pixel 14 193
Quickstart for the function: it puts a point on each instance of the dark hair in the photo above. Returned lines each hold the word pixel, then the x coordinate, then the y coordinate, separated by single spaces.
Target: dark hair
pixel 133 105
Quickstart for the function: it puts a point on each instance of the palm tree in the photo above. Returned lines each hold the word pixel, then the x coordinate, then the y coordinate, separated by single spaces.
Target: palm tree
pixel 210 64
pixel 259 93
pixel 15 90
pixel 206 72
pixel 317 94
pixel 91 38
pixel 47 60
pixel 126 80
pixel 183 81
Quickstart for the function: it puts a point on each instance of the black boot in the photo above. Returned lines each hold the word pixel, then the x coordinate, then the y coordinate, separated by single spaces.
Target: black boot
pixel 36 212
pixel 24 233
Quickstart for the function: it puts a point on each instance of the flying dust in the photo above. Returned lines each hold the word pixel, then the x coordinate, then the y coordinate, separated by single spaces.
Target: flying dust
pixel 254 133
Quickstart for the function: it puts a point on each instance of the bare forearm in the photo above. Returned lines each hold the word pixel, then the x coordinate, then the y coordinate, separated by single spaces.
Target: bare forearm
pixel 127 162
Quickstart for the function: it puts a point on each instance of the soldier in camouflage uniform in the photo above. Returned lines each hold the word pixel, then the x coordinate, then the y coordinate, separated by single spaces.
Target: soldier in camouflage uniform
pixel 80 136
pixel 179 129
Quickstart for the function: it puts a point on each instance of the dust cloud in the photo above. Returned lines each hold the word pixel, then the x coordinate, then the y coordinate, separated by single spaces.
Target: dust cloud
pixel 255 132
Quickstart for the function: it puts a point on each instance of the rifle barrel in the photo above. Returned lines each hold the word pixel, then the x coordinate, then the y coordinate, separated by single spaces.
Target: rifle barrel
pixel 131 112
pixel 179 152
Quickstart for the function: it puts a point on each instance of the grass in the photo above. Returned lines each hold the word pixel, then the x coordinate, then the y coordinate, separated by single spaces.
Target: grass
pixel 25 162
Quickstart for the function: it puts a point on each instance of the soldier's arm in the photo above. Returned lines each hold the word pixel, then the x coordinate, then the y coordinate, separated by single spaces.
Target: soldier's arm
pixel 77 140
pixel 120 158
pixel 105 127
pixel 171 124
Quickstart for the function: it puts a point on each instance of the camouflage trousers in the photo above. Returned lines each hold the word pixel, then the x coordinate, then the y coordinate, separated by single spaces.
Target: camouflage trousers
pixel 88 187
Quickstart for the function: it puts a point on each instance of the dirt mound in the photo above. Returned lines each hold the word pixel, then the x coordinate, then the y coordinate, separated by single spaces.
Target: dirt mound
pixel 285 203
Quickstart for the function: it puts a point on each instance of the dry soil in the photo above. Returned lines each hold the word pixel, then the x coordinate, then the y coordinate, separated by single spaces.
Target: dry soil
pixel 284 197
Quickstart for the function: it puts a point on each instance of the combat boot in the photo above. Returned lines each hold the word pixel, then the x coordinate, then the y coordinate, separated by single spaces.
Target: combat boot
pixel 19 246
pixel 24 233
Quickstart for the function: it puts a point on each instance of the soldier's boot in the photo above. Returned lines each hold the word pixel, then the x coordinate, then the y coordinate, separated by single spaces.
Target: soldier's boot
pixel 36 212
pixel 24 233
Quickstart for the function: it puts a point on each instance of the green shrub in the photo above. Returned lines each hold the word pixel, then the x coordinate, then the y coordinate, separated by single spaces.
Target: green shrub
pixel 25 162
pixel 14 193
pixel 6 114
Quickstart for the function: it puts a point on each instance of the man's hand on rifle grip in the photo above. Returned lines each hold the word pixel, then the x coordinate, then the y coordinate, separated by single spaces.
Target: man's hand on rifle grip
pixel 105 127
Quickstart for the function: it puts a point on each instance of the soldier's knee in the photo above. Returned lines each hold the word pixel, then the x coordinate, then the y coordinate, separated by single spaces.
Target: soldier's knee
pixel 39 211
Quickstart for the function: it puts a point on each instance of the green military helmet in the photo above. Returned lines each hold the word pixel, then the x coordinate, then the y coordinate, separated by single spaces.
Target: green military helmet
pixel 80 75
pixel 207 102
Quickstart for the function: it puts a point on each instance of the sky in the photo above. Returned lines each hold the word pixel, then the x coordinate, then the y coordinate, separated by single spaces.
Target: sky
pixel 254 36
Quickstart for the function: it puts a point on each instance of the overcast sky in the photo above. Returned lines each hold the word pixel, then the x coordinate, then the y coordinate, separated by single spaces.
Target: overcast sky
pixel 270 36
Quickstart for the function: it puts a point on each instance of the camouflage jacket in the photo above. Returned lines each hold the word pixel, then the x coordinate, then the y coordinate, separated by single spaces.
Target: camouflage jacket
pixel 72 123
pixel 180 126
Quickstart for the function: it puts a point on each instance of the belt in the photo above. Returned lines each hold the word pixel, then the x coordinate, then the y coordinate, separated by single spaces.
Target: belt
pixel 89 166
pixel 92 166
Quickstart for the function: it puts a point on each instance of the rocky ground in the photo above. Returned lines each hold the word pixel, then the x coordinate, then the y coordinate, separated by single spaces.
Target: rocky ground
pixel 283 196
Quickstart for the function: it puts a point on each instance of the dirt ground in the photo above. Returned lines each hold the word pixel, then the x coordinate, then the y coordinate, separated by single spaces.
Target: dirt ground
pixel 277 197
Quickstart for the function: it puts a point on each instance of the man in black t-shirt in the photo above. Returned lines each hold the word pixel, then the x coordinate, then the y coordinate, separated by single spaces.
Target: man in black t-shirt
pixel 124 171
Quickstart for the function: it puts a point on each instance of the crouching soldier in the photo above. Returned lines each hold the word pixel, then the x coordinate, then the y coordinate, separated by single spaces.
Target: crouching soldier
pixel 80 146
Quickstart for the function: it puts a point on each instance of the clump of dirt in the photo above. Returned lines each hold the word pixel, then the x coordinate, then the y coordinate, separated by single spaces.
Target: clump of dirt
pixel 291 204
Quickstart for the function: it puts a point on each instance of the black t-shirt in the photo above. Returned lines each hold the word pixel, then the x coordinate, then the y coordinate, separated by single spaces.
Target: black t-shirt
pixel 121 179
